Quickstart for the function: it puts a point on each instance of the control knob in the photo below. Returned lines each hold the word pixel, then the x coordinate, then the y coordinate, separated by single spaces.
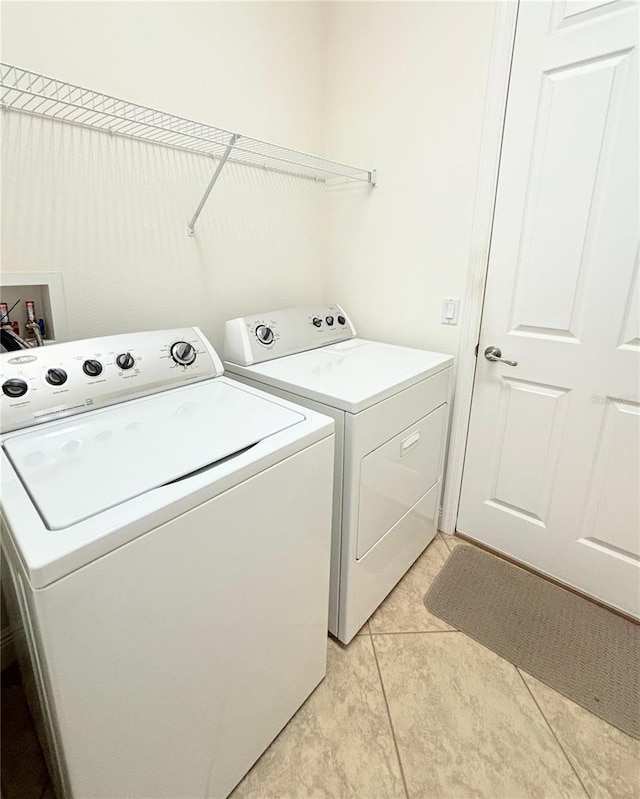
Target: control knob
pixel 183 353
pixel 341 320
pixel 92 368
pixel 264 334
pixel 14 387
pixel 317 322
pixel 329 320
pixel 125 360
pixel 55 376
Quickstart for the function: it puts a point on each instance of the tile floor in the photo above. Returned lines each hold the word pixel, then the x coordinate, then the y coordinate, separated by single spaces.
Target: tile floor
pixel 413 709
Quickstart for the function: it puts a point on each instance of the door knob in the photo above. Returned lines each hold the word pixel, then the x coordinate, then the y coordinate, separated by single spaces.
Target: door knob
pixel 495 354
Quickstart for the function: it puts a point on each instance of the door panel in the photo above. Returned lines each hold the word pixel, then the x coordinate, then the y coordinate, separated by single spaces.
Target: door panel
pixel 611 520
pixel 551 472
pixel 532 422
pixel 630 332
pixel 568 13
pixel 561 185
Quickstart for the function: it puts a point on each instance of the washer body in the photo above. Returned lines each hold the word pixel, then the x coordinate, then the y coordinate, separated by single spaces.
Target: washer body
pixel 169 563
pixel 391 410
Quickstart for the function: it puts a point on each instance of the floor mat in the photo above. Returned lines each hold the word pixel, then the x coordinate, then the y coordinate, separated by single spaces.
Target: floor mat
pixel 584 651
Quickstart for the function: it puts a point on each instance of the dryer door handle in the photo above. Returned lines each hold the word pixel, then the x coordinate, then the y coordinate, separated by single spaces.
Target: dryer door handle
pixel 409 442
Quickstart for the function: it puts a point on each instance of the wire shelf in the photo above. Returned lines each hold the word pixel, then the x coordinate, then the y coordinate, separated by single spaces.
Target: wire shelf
pixel 34 93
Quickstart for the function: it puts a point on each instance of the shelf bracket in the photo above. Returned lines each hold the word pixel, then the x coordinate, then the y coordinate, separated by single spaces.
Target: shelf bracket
pixel 191 229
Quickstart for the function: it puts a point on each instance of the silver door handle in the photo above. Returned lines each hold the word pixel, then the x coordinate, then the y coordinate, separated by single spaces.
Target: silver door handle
pixel 495 354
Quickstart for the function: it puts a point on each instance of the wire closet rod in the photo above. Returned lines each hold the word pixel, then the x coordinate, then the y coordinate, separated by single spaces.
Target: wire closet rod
pixel 34 93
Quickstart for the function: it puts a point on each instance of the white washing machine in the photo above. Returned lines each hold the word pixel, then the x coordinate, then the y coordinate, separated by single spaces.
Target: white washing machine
pixel 391 408
pixel 167 533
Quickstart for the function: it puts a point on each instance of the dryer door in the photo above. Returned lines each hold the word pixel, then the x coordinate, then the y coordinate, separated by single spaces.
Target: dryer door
pixel 396 475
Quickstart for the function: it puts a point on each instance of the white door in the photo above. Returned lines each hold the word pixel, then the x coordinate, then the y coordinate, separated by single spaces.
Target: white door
pixel 551 475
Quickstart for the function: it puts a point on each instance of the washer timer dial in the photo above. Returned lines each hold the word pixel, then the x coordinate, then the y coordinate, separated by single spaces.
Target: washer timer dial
pixel 183 353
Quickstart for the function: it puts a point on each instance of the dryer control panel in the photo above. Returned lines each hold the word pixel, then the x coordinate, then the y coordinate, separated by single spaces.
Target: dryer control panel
pixel 44 383
pixel 264 336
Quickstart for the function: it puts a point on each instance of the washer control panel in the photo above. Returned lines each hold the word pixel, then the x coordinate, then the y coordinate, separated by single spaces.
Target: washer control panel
pixel 262 337
pixel 45 383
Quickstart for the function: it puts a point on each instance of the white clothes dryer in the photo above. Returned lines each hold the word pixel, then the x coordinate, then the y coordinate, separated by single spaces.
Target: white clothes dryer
pixel 391 408
pixel 167 533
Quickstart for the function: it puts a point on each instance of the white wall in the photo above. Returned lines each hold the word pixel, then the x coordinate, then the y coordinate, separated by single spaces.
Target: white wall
pixel 406 86
pixel 111 214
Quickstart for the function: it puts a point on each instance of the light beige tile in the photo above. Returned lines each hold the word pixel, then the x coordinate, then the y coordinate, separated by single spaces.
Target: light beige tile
pixel 449 540
pixel 364 630
pixel 465 723
pixel 607 760
pixel 339 745
pixel 403 610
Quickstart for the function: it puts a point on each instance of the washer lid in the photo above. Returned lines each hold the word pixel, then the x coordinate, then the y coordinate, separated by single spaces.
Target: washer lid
pixel 351 375
pixel 78 468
